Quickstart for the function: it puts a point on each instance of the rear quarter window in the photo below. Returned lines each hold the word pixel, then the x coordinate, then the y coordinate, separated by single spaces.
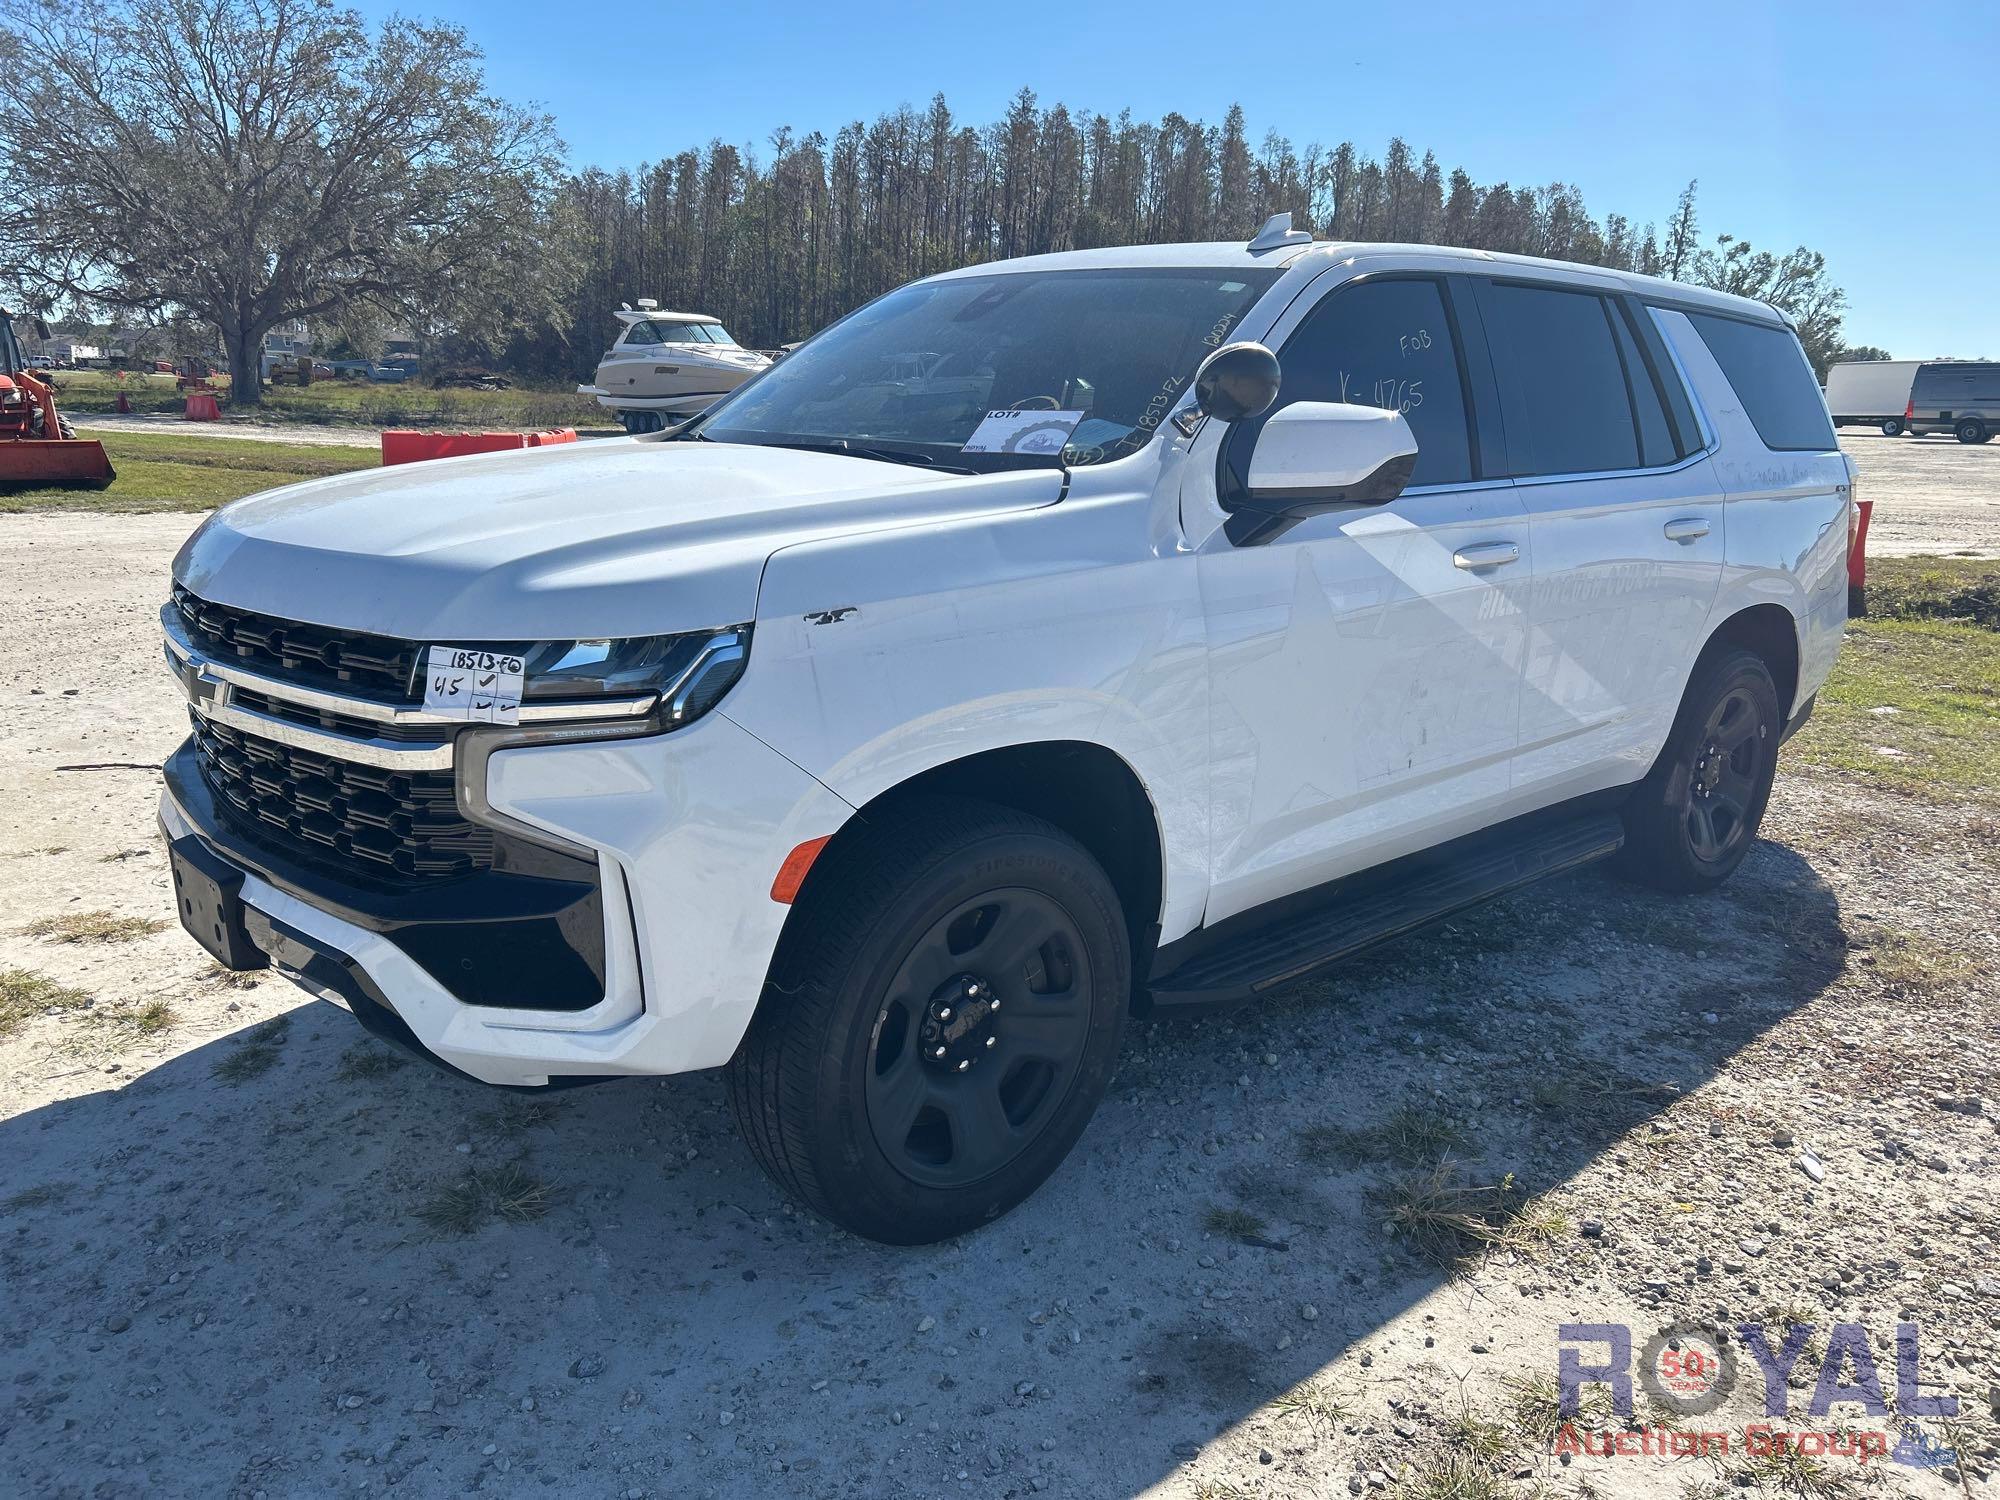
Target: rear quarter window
pixel 1768 371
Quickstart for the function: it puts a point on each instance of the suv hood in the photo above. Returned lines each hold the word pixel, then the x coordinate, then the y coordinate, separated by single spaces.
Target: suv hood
pixel 612 537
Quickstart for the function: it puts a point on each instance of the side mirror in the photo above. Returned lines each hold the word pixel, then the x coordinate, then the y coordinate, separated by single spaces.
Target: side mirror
pixel 1315 456
pixel 1237 381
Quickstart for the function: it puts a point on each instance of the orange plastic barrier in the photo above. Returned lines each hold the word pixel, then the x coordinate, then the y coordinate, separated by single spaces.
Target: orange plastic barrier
pixel 1857 555
pixel 403 446
pixel 201 407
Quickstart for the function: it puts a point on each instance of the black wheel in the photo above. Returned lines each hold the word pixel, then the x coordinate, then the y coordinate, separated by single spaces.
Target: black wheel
pixel 941 1019
pixel 1971 430
pixel 1691 821
pixel 1893 427
pixel 63 430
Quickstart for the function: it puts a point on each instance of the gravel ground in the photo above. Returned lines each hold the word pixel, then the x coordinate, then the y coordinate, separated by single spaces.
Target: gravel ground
pixel 1932 494
pixel 232 1261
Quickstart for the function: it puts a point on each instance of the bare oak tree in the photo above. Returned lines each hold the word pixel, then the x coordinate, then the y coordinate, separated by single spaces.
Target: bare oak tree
pixel 254 161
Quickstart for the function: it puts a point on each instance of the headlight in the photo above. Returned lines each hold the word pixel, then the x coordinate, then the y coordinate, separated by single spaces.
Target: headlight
pixel 688 672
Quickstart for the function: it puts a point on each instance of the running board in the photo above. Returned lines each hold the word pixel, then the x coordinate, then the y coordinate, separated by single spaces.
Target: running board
pixel 1377 905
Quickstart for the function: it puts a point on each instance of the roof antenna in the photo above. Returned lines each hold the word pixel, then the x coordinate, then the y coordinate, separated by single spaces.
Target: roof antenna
pixel 1278 231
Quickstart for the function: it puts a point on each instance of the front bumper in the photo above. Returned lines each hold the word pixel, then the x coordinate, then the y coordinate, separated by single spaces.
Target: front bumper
pixel 688 828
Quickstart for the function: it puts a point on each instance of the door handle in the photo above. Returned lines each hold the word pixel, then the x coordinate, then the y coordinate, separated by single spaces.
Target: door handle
pixel 1486 555
pixel 1686 529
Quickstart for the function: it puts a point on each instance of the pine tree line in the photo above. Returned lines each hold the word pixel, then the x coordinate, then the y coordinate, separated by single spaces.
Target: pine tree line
pixel 777 246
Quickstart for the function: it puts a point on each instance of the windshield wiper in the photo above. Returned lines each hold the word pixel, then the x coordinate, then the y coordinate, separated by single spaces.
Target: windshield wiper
pixel 880 455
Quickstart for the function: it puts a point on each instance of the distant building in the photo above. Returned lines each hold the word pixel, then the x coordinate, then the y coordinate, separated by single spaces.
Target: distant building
pixel 288 340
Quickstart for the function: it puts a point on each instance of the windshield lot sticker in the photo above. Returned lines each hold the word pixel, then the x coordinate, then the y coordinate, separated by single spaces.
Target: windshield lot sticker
pixel 464 682
pixel 1023 432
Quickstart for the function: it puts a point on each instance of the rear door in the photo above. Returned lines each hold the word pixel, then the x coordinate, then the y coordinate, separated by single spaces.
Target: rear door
pixel 1626 520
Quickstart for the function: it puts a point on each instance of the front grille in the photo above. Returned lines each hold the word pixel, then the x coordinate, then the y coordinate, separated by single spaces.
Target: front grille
pixel 353 726
pixel 363 821
pixel 311 655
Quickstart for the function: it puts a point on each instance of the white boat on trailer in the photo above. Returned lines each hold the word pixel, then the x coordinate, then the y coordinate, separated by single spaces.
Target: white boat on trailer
pixel 668 366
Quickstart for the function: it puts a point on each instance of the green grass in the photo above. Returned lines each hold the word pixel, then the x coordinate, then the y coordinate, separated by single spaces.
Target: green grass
pixel 24 993
pixel 1935 588
pixel 1942 682
pixel 186 472
pixel 359 403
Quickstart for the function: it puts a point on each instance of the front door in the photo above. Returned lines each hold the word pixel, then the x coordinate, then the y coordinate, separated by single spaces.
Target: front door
pixel 1365 666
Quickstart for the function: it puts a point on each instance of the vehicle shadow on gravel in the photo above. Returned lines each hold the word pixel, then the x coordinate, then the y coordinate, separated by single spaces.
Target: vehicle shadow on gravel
pixel 327 1264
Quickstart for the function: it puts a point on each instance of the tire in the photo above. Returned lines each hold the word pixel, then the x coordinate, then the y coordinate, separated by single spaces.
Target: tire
pixel 1971 430
pixel 937 913
pixel 63 430
pixel 1689 824
pixel 1893 427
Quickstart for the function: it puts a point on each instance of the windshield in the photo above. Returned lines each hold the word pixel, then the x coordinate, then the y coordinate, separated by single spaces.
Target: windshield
pixel 1076 367
pixel 658 331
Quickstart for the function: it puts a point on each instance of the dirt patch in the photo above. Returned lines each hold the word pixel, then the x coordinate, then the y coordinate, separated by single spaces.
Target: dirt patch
pixel 240 1254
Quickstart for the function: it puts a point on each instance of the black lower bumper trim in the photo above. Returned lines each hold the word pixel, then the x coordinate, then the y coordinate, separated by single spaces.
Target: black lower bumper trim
pixel 527 934
pixel 326 968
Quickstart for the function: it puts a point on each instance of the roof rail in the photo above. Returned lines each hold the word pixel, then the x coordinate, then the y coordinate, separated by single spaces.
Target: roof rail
pixel 1278 231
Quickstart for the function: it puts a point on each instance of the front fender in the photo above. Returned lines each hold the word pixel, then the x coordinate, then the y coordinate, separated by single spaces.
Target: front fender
pixel 881 656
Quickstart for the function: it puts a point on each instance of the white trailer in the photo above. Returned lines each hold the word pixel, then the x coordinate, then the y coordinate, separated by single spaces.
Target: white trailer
pixel 1870 392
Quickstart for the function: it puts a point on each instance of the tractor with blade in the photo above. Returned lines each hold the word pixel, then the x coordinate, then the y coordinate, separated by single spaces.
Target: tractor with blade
pixel 38 447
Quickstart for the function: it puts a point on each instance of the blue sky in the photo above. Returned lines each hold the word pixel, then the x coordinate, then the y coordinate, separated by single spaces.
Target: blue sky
pixel 1829 124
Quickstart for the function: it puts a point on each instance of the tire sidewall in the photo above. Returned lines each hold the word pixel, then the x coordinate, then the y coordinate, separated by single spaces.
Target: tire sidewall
pixel 875 1194
pixel 1738 669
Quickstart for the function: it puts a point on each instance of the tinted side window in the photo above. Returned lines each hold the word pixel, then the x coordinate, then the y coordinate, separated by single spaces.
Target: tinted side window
pixel 1656 438
pixel 642 333
pixel 1381 343
pixel 1562 385
pixel 1768 371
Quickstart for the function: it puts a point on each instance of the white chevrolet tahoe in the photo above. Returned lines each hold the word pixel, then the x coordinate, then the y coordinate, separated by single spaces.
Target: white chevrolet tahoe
pixel 1045 642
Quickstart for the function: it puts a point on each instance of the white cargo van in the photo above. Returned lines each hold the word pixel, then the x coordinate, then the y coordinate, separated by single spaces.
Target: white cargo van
pixel 1871 393
pixel 1048 641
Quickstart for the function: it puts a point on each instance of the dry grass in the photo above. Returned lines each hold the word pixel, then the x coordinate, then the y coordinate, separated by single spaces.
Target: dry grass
pixel 509 1193
pixel 256 1053
pixel 1534 1407
pixel 1233 1223
pixel 1414 1136
pixel 367 1060
pixel 521 1113
pixel 94 927
pixel 233 979
pixel 1453 1475
pixel 39 1196
pixel 1784 1471
pixel 25 994
pixel 1445 1217
pixel 1909 962
pixel 149 1019
pixel 1317 1400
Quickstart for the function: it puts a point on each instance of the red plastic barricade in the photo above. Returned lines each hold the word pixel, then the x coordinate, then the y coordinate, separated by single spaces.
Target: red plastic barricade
pixel 402 446
pixel 201 407
pixel 1857 560
pixel 1857 555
